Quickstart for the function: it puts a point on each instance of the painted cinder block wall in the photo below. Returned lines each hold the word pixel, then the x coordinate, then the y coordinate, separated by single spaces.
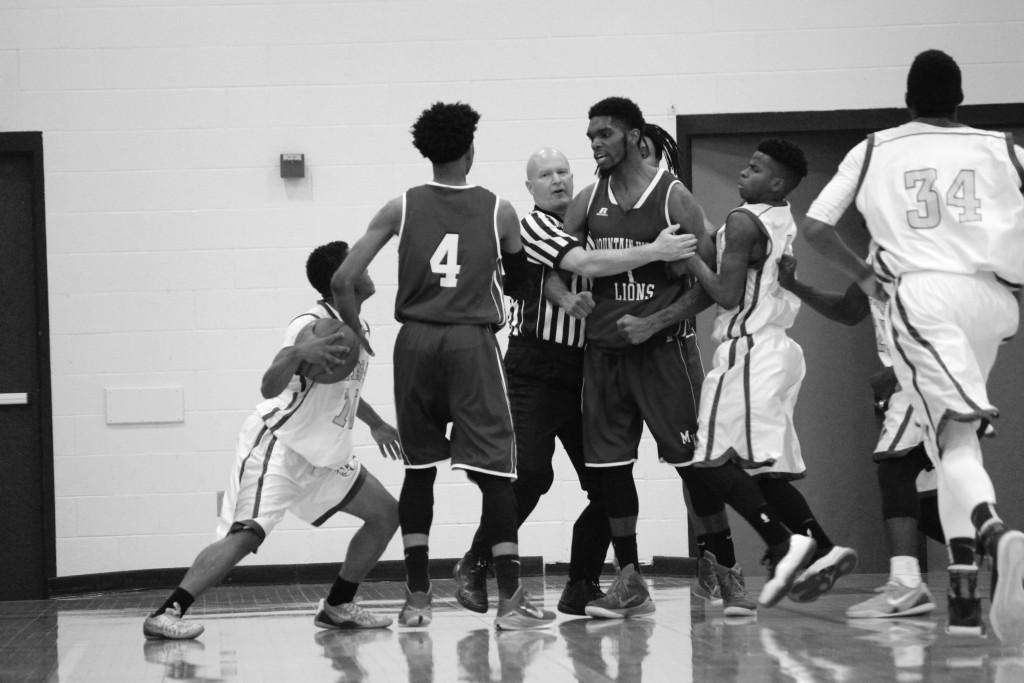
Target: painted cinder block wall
pixel 175 250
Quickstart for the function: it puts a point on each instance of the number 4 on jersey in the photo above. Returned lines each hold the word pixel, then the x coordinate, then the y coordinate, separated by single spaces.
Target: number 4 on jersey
pixel 445 262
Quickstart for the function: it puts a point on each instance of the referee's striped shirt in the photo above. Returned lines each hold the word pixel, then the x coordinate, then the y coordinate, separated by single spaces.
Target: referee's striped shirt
pixel 533 316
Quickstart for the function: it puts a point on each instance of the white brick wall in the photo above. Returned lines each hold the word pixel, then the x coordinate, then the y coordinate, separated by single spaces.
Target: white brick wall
pixel 176 251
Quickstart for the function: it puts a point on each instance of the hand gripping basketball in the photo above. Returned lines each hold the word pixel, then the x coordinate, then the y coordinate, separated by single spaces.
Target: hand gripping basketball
pixel 335 344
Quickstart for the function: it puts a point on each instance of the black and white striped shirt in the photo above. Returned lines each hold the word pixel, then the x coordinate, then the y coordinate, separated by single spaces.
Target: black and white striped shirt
pixel 533 316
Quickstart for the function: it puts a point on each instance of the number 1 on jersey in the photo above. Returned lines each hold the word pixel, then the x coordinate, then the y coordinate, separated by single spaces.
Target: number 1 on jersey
pixel 445 261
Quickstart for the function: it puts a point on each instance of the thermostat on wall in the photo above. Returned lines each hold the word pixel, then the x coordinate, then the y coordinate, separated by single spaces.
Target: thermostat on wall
pixel 293 165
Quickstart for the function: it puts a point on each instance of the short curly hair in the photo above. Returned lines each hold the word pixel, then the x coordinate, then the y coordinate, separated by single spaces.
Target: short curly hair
pixel 322 263
pixel 934 84
pixel 621 109
pixel 444 131
pixel 787 155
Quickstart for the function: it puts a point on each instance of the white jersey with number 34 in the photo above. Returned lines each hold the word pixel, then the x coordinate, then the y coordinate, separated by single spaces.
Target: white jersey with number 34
pixel 944 199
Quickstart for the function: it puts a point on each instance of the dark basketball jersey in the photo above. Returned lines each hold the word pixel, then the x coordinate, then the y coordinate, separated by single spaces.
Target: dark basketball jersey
pixel 449 257
pixel 640 291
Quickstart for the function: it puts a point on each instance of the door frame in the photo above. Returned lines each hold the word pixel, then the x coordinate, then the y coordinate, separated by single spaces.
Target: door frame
pixel 31 145
pixel 693 126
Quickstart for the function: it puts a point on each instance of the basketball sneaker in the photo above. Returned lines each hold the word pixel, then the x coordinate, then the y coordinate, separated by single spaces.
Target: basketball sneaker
pixel 735 600
pixel 706 586
pixel 1007 612
pixel 823 573
pixel 964 603
pixel 577 594
pixel 894 600
pixel 471 582
pixel 347 616
pixel 518 614
pixel 417 609
pixel 628 596
pixel 783 563
pixel 170 625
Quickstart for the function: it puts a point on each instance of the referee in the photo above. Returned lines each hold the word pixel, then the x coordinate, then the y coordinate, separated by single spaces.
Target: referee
pixel 544 365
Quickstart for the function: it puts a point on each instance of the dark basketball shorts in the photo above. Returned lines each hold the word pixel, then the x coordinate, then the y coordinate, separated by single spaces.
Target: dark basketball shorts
pixel 453 374
pixel 657 383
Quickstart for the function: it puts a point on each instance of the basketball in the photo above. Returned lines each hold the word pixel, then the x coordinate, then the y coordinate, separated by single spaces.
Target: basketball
pixel 325 327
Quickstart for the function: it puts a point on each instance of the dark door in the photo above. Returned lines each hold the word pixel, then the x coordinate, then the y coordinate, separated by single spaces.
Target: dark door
pixel 26 483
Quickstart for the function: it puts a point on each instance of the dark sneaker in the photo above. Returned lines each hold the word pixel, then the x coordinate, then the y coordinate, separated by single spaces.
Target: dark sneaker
pixel 964 603
pixel 518 614
pixel 706 587
pixel 417 609
pixel 783 568
pixel 577 594
pixel 823 573
pixel 1007 612
pixel 347 616
pixel 170 625
pixel 735 601
pixel 628 596
pixel 471 583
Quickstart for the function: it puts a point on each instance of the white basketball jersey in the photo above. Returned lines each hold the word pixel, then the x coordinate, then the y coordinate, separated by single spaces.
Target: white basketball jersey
pixel 316 420
pixel 944 199
pixel 764 301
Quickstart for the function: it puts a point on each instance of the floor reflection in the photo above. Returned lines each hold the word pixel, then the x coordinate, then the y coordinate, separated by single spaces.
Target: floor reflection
pixel 266 634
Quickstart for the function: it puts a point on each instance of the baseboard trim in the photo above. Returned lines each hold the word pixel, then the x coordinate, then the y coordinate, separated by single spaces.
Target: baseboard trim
pixel 287 574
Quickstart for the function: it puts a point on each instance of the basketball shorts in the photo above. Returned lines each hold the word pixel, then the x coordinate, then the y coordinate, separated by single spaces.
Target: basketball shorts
pixel 901 428
pixel 453 374
pixel 747 403
pixel 657 383
pixel 946 330
pixel 269 479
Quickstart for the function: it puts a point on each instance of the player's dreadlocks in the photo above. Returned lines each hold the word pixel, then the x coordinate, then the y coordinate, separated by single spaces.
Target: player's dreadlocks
pixel 665 146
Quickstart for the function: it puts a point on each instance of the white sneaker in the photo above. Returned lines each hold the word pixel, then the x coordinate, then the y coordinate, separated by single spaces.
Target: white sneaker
pixel 1007 612
pixel 823 573
pixel 169 625
pixel 347 616
pixel 894 600
pixel 782 571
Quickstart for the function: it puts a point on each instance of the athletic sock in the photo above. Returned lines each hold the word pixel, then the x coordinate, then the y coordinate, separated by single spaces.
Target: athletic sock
pixel 720 545
pixel 506 571
pixel 961 551
pixel 417 569
pixel 986 520
pixel 341 592
pixel 625 551
pixel 182 597
pixel 905 570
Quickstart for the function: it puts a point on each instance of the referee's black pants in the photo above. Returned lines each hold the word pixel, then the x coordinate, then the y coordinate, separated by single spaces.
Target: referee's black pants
pixel 544 384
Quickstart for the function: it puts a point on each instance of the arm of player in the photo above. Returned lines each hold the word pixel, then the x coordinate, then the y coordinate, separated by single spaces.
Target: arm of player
pixel 848 308
pixel 382 228
pixel 513 257
pixel 668 246
pixel 638 330
pixel 824 238
pixel 326 351
pixel 557 292
pixel 575 222
pixel 727 285
pixel 384 434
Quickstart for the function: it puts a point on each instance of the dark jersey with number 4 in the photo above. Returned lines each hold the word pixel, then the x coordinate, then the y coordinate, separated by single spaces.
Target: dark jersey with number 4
pixel 449 257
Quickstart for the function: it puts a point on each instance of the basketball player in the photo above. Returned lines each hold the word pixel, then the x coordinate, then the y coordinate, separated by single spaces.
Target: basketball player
pixel 544 364
pixel 641 363
pixel 720 579
pixel 748 399
pixel 295 453
pixel 943 204
pixel 903 465
pixel 453 239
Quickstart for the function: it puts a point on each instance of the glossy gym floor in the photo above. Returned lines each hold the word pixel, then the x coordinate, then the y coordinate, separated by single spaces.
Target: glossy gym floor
pixel 266 633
